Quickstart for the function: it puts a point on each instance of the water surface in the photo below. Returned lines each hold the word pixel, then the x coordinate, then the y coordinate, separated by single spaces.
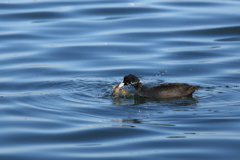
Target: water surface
pixel 60 59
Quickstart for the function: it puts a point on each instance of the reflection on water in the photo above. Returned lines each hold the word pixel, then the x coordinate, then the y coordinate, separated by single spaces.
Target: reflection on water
pixel 132 99
pixel 135 100
pixel 140 121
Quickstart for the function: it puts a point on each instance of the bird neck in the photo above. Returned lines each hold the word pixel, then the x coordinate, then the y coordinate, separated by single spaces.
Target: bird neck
pixel 137 86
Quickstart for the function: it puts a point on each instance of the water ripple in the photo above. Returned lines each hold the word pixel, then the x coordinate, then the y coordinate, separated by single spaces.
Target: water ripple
pixel 60 60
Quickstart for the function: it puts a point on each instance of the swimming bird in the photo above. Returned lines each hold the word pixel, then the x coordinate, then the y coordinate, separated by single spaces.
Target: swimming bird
pixel 170 90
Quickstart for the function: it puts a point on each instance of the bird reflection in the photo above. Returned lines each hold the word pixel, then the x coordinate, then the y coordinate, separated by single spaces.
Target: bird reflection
pixel 135 100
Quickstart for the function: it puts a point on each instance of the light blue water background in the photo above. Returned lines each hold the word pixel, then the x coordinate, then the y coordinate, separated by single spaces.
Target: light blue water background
pixel 60 58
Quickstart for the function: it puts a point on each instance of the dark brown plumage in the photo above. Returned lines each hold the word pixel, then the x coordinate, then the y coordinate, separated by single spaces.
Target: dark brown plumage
pixel 171 90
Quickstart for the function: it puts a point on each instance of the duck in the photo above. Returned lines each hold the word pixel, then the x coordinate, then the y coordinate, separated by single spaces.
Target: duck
pixel 163 91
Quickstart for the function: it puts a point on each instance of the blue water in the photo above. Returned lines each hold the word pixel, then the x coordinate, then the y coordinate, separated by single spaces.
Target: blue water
pixel 60 59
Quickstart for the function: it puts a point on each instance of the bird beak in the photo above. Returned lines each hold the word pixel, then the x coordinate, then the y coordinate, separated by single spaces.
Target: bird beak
pixel 121 85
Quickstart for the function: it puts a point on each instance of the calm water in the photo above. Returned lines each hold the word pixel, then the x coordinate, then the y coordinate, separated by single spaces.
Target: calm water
pixel 59 60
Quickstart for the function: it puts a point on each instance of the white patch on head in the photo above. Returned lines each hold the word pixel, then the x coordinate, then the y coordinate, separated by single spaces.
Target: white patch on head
pixel 121 85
